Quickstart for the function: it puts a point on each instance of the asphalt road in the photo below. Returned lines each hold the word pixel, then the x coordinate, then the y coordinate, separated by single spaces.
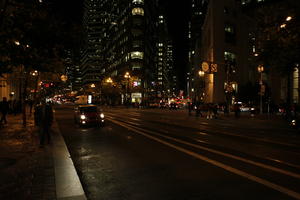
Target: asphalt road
pixel 168 155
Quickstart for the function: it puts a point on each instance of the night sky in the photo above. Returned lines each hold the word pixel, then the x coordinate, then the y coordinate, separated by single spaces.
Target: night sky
pixel 177 14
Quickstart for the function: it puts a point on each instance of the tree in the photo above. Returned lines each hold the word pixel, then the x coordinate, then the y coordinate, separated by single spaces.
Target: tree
pixel 277 37
pixel 32 37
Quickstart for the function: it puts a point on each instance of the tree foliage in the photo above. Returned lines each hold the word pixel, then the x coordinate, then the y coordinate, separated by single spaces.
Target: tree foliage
pixel 278 37
pixel 33 36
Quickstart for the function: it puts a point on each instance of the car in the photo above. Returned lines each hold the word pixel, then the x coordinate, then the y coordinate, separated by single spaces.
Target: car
pixel 89 114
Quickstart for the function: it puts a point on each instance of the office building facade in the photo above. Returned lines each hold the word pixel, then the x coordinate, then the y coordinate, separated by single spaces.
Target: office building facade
pixel 125 37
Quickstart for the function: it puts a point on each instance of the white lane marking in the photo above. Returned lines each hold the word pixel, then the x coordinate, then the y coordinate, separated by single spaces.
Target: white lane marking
pixel 295 175
pixel 201 133
pixel 134 119
pixel 249 137
pixel 288 173
pixel 284 162
pixel 216 163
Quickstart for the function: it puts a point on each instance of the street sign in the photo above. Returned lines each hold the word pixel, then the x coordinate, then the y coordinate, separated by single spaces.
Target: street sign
pixel 213 68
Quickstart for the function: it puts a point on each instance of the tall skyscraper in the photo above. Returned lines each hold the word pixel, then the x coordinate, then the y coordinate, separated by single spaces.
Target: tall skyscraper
pixel 165 81
pixel 121 37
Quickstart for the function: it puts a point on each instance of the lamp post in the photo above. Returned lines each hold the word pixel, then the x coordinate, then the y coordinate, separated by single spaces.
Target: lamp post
pixel 127 77
pixel 260 69
pixel 109 82
pixel 201 74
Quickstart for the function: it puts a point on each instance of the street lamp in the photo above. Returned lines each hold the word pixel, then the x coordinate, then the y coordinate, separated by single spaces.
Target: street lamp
pixel 109 80
pixel 127 76
pixel 260 69
pixel 201 74
pixel 64 78
pixel 288 18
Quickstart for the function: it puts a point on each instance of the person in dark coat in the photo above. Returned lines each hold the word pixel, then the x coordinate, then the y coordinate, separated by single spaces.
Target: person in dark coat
pixel 190 108
pixel 43 119
pixel 4 110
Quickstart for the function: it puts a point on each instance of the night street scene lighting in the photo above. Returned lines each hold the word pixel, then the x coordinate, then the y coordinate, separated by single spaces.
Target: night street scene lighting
pixel 149 99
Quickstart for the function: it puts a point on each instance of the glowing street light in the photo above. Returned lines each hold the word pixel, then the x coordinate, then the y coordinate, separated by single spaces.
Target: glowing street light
pixel 64 78
pixel 127 76
pixel 93 85
pixel 17 43
pixel 260 69
pixel 288 18
pixel 34 73
pixel 109 80
pixel 201 73
pixel 282 25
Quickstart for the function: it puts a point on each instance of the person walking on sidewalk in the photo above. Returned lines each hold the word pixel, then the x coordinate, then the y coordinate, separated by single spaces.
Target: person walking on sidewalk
pixel 44 119
pixel 4 110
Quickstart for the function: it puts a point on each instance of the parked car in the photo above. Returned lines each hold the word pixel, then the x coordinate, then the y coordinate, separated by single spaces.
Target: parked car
pixel 89 115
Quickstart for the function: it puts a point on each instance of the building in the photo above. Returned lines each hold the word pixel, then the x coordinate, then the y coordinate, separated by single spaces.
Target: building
pixel 121 37
pixel 226 51
pixel 165 75
pixel 91 54
pixel 194 82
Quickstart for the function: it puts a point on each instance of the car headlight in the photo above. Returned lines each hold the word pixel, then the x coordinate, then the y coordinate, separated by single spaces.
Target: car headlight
pixel 102 115
pixel 82 117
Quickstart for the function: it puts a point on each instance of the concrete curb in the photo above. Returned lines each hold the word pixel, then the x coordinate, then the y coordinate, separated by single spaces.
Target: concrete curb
pixel 68 185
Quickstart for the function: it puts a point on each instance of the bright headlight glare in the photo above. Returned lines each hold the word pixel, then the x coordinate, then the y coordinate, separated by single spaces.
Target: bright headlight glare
pixel 82 117
pixel 102 115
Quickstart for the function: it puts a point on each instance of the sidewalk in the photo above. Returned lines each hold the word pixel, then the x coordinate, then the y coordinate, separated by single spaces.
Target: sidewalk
pixel 30 172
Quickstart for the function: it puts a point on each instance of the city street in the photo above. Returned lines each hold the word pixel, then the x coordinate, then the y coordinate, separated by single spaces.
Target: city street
pixel 167 154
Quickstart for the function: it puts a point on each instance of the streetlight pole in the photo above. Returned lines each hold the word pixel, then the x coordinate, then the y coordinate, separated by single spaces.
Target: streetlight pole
pixel 201 74
pixel 109 82
pixel 127 76
pixel 260 69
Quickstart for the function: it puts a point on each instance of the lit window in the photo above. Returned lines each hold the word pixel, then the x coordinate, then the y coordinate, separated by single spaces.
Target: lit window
pixel 138 11
pixel 160 54
pixel 161 17
pixel 136 66
pixel 229 56
pixel 137 43
pixel 137 55
pixel 138 1
pixel 160 44
pixel 161 21
pixel 229 29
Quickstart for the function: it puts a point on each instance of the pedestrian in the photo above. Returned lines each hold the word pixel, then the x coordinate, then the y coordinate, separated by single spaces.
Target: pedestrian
pixel 44 119
pixel 237 110
pixel 198 109
pixel 30 103
pixel 14 107
pixel 226 109
pixel 4 110
pixel 209 112
pixel 215 111
pixel 190 107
